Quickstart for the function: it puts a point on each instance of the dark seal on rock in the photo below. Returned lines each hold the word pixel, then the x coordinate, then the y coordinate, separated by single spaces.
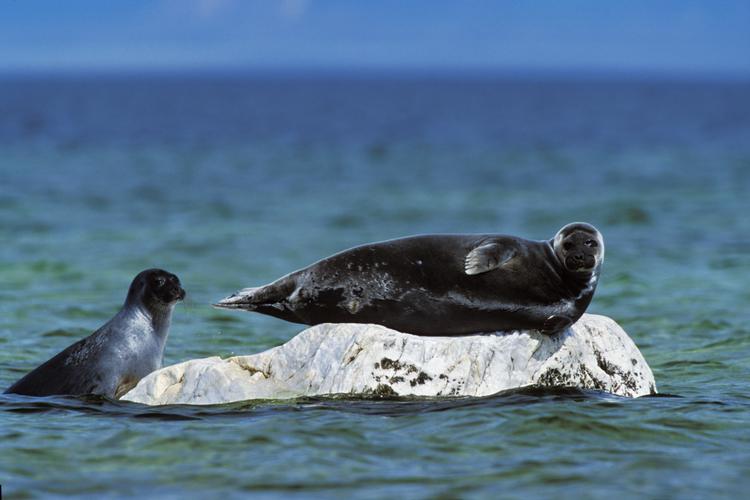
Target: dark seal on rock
pixel 442 284
pixel 112 360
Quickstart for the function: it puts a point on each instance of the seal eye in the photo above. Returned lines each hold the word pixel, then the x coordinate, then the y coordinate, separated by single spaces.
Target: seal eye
pixel 591 243
pixel 160 281
pixel 567 245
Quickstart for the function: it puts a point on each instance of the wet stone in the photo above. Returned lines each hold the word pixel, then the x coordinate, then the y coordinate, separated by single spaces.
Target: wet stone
pixel 371 360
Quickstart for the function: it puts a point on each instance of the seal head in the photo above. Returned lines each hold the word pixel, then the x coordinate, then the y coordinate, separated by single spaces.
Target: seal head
pixel 156 289
pixel 579 247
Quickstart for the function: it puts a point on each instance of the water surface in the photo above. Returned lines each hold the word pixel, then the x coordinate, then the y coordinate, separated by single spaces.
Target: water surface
pixel 232 182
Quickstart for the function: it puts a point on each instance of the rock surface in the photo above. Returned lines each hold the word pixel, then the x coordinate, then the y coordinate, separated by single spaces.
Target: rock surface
pixel 595 353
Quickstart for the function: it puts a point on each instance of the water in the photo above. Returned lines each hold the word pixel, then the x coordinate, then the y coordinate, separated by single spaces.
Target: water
pixel 233 181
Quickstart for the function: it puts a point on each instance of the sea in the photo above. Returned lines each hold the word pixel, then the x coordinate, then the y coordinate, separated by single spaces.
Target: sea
pixel 233 180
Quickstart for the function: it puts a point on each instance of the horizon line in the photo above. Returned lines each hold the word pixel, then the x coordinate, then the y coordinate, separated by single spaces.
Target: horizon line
pixel 396 71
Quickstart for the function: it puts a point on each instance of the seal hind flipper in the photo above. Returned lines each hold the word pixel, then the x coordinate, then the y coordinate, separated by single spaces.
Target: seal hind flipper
pixel 486 257
pixel 247 298
pixel 252 299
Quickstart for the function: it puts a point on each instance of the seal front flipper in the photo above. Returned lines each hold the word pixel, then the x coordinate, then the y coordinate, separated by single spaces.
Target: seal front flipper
pixel 555 324
pixel 487 257
pixel 124 385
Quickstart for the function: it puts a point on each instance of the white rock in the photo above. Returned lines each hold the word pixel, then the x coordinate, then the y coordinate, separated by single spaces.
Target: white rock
pixel 595 353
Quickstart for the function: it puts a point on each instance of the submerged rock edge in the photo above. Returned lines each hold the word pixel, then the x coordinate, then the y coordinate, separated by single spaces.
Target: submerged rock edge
pixel 362 359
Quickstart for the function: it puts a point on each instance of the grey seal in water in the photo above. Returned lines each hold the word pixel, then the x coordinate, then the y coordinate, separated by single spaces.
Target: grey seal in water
pixel 442 284
pixel 112 360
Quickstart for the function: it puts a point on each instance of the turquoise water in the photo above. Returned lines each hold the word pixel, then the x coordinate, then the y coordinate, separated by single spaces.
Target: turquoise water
pixel 232 182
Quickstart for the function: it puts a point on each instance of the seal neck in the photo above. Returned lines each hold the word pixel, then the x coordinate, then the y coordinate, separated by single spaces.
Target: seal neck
pixel 161 319
pixel 158 318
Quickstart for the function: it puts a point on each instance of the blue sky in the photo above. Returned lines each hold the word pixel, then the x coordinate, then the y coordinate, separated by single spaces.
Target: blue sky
pixel 662 36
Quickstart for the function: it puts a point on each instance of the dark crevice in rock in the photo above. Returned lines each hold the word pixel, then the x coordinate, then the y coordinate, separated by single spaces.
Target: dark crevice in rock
pixel 383 391
pixel 395 365
pixel 605 365
pixel 421 379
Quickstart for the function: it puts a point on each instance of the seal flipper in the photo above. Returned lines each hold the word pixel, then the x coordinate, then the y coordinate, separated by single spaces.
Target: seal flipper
pixel 486 257
pixel 124 385
pixel 555 324
pixel 251 299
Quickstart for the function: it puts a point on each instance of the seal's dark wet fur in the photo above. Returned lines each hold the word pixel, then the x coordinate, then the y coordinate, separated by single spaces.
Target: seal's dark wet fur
pixel 442 284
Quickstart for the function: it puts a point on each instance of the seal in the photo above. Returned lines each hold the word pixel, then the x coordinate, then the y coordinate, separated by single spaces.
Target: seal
pixel 442 284
pixel 112 360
